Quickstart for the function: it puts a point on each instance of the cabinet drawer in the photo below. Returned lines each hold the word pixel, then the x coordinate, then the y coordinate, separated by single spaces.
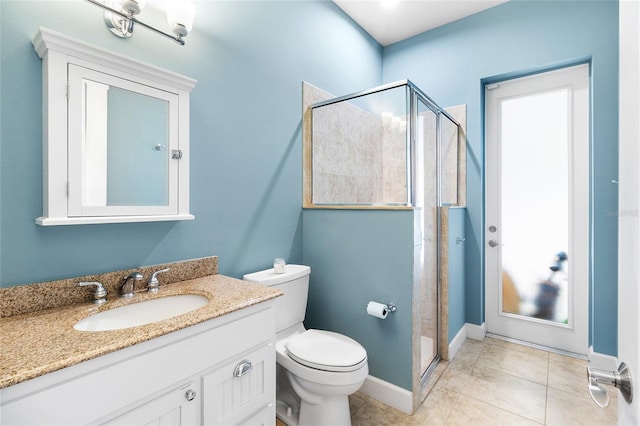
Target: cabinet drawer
pixel 178 407
pixel 234 392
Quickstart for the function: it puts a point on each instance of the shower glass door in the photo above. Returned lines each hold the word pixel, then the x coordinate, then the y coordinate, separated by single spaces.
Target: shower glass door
pixel 427 150
pixel 436 145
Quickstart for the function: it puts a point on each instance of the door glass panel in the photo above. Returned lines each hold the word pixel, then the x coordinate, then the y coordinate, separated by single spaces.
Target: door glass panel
pixel 535 205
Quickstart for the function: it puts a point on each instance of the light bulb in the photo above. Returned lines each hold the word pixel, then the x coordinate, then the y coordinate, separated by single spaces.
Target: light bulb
pixel 133 7
pixel 180 15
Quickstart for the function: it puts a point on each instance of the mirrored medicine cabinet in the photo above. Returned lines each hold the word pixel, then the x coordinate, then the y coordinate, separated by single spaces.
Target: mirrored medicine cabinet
pixel 115 136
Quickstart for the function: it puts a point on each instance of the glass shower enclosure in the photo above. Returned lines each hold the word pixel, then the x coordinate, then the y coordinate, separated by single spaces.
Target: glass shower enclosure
pixel 392 147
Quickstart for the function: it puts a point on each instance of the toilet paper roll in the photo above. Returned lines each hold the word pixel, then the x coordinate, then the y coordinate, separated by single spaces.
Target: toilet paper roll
pixel 378 310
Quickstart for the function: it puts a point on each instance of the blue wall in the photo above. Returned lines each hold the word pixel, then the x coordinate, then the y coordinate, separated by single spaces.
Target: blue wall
pixel 357 256
pixel 450 63
pixel 456 297
pixel 249 58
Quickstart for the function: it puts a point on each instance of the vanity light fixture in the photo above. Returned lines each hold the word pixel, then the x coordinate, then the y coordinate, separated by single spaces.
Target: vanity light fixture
pixel 120 16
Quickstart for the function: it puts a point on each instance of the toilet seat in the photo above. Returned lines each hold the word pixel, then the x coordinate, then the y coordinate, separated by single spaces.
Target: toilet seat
pixel 327 351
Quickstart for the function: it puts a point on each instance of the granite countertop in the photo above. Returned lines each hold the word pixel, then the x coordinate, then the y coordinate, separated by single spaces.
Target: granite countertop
pixel 37 343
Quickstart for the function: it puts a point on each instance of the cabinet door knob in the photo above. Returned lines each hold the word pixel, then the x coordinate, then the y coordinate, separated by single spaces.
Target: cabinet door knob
pixel 190 395
pixel 242 368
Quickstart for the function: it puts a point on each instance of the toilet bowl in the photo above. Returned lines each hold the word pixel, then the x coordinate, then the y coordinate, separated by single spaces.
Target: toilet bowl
pixel 316 370
pixel 321 368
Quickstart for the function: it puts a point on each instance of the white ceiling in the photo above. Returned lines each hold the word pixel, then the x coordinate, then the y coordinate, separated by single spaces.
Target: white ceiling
pixel 390 21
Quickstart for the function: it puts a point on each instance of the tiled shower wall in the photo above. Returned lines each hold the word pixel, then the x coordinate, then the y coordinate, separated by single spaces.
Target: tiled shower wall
pixel 394 166
pixel 347 155
pixel 357 159
pixel 360 158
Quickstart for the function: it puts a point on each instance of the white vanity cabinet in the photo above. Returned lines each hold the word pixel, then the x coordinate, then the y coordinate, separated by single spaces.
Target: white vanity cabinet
pixel 219 372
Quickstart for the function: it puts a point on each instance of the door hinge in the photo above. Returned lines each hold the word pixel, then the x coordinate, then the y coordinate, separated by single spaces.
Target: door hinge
pixel 68 89
pixel 67 188
pixel 176 154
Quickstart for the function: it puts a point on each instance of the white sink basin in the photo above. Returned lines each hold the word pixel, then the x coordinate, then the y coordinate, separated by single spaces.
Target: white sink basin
pixel 142 313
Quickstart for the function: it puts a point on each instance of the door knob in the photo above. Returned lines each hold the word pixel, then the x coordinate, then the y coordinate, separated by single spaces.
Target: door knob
pixel 620 379
pixel 493 243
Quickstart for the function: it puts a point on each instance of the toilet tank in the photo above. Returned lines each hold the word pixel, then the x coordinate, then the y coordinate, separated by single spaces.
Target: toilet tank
pixel 294 283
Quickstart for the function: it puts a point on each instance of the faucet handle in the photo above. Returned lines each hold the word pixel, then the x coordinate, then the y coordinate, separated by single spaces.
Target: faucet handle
pixel 99 294
pixel 154 284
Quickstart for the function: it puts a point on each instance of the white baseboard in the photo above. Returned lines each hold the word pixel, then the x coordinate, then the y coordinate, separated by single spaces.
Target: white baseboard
pixel 388 393
pixel 476 332
pixel 402 399
pixel 601 361
pixel 457 342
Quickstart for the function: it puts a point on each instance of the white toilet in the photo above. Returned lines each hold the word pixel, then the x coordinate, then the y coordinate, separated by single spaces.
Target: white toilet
pixel 316 370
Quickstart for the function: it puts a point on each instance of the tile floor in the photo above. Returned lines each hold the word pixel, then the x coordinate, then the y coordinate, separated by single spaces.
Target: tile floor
pixel 493 382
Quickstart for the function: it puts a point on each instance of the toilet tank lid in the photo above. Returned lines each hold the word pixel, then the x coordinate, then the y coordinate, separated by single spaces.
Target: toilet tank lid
pixel 268 277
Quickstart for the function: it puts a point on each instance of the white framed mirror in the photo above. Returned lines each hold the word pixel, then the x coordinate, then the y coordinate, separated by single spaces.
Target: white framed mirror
pixel 116 136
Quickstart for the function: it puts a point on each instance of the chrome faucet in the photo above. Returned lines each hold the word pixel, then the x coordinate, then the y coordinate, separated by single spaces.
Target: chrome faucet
pixel 127 288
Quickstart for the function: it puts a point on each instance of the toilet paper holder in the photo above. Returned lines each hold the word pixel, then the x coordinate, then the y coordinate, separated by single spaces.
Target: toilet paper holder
pixel 391 307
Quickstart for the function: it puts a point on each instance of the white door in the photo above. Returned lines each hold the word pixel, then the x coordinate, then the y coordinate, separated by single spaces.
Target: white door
pixel 629 206
pixel 537 208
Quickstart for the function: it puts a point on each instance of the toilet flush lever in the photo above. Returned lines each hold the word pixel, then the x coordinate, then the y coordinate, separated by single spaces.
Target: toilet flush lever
pixel 620 379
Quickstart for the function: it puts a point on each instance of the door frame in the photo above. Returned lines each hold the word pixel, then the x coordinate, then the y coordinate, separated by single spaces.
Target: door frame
pixel 536 331
pixel 629 205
